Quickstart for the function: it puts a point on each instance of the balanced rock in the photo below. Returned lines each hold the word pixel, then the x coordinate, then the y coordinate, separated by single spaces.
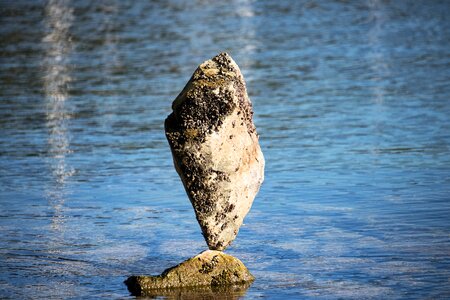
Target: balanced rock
pixel 215 148
pixel 208 269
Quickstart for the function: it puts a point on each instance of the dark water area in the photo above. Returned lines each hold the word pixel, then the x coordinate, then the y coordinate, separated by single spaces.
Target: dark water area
pixel 352 104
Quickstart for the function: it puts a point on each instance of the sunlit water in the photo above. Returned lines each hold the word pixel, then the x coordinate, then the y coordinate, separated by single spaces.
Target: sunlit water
pixel 352 104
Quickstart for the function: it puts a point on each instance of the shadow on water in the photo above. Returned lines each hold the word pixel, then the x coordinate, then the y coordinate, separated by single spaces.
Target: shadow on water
pixel 206 292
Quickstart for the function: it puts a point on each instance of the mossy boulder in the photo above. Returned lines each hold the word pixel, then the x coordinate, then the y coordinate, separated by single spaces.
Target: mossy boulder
pixel 208 269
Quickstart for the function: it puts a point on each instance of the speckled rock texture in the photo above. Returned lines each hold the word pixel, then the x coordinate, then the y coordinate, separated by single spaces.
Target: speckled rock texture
pixel 208 269
pixel 215 148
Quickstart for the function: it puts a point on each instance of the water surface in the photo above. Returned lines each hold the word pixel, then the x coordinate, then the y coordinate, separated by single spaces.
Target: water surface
pixel 352 104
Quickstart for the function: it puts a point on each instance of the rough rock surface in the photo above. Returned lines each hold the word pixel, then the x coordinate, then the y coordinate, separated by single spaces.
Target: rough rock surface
pixel 209 268
pixel 215 148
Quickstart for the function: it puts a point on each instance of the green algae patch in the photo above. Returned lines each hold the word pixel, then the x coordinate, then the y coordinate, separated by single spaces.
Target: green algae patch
pixel 208 269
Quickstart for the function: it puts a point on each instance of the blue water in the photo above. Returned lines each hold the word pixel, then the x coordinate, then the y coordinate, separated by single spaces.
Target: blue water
pixel 352 104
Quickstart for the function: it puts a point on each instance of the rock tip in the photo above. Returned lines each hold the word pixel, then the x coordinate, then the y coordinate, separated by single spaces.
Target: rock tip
pixel 223 58
pixel 223 54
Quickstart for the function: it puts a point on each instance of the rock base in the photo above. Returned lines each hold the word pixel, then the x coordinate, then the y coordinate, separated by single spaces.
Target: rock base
pixel 211 269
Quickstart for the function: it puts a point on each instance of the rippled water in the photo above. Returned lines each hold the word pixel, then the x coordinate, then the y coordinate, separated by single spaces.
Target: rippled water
pixel 352 103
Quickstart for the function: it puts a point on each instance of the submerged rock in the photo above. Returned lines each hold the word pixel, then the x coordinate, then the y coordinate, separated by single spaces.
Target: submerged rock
pixel 215 148
pixel 208 269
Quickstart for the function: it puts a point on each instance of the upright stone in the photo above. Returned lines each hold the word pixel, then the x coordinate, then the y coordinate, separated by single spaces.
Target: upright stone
pixel 215 148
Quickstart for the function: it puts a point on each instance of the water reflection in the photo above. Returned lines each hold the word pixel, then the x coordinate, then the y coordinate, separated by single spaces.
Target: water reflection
pixel 58 46
pixel 207 292
pixel 110 56
pixel 244 9
pixel 379 64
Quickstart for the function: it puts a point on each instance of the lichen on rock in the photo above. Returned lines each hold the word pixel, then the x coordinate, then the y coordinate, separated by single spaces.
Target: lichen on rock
pixel 209 268
pixel 215 148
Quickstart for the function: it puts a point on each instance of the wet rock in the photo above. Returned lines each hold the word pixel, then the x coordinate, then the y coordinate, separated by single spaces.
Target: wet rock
pixel 210 268
pixel 215 148
pixel 229 292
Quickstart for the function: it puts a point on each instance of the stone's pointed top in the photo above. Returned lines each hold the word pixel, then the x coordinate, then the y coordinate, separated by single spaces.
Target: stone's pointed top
pixel 208 83
pixel 222 55
pixel 215 148
pixel 216 71
pixel 224 59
